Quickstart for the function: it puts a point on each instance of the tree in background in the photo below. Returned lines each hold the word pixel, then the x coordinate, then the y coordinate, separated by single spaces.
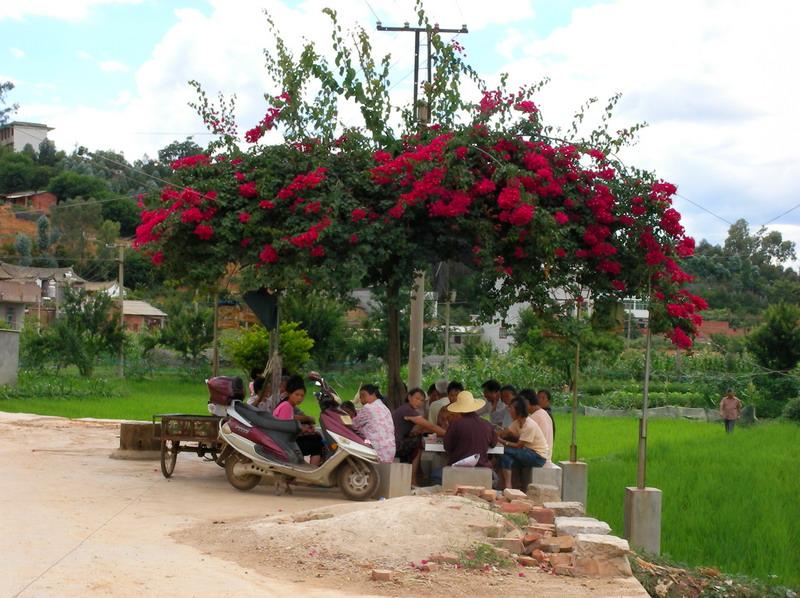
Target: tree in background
pixel 71 185
pixel 84 330
pixel 5 113
pixel 189 329
pixel 177 150
pixel 44 242
pixel 249 349
pixel 746 274
pixel 775 345
pixel 22 247
pixel 323 318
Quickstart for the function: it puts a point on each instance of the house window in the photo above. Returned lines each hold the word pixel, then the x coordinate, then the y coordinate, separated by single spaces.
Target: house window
pixel 502 332
pixel 457 339
pixel 10 316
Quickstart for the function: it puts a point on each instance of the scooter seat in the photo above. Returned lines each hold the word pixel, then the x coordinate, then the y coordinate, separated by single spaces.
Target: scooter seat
pixel 267 421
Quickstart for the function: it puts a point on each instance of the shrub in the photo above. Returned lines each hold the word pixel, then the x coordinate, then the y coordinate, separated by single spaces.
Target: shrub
pixel 791 410
pixel 250 349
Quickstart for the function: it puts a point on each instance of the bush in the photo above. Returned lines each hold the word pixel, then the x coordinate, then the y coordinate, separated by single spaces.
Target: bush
pixel 250 349
pixel 791 410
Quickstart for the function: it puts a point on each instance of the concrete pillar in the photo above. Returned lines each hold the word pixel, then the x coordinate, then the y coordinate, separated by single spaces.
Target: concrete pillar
pixel 643 518
pixel 395 480
pixel 574 481
pixel 9 356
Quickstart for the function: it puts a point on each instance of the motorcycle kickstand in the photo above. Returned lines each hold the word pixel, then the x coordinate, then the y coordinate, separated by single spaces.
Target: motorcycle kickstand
pixel 282 486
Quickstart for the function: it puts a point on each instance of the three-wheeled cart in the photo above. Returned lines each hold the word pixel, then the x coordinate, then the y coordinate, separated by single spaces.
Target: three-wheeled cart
pixel 181 433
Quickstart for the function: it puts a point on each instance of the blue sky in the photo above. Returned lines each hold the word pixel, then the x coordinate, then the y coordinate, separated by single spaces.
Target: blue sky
pixel 716 81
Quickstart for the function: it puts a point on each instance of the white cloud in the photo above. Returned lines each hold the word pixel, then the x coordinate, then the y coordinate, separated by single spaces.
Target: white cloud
pixel 112 66
pixel 74 10
pixel 84 55
pixel 17 53
pixel 716 82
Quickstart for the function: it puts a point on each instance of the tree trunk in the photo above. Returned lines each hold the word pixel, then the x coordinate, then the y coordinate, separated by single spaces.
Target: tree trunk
pixel 395 387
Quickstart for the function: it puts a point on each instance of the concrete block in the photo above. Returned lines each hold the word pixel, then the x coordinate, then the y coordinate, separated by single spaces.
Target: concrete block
pixel 395 480
pixel 466 476
pixel 9 356
pixel 513 545
pixel 513 493
pixel 566 509
pixel 572 526
pixel 549 475
pixel 601 556
pixel 643 518
pixel 542 493
pixel 574 481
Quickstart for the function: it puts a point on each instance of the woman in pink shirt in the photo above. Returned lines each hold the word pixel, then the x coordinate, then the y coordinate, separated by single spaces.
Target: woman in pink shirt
pixel 309 441
pixel 374 422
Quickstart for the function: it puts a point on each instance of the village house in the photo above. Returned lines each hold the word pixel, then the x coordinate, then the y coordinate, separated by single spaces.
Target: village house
pixel 18 134
pixel 140 316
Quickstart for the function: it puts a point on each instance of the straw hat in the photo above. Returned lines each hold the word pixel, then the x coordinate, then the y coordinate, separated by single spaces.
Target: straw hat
pixel 465 403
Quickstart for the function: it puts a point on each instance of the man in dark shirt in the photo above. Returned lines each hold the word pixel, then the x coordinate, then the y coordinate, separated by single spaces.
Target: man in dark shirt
pixel 409 426
pixel 468 434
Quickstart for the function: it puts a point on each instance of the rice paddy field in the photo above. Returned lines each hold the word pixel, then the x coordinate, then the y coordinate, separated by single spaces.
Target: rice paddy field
pixel 729 501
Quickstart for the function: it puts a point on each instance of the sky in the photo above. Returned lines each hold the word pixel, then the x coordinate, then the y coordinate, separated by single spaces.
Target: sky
pixel 717 81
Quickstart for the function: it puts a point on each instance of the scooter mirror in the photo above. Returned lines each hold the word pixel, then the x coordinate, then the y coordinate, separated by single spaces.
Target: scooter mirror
pixel 317 383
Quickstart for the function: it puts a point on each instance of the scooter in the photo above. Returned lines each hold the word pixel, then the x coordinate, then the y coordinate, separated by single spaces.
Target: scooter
pixel 259 445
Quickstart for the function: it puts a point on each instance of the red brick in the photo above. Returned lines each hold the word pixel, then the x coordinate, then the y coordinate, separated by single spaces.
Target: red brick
pixel 565 543
pixel 539 555
pixel 474 490
pixel 527 561
pixel 382 575
pixel 489 495
pixel 511 544
pixel 566 570
pixel 530 538
pixel 446 557
pixel 514 507
pixel 542 515
pixel 561 559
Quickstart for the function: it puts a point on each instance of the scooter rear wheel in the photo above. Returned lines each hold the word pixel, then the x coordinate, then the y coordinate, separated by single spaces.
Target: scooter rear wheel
pixel 358 480
pixel 243 482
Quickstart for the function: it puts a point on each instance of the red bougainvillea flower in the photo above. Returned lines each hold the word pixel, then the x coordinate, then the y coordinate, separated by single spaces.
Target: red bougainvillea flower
pixel 460 152
pixel 680 338
pixel 619 285
pixel 246 242
pixel 484 186
pixel 508 198
pixel 560 252
pixel 353 239
pixel 268 255
pixel 358 215
pixel 266 204
pixel 157 258
pixel 244 217
pixel 317 251
pixel 190 161
pixel 248 190
pixel 522 215
pixel 561 218
pixel 204 232
pixel 526 106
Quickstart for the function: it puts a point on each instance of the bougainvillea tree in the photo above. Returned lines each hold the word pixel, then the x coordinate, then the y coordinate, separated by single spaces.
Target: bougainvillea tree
pixel 486 183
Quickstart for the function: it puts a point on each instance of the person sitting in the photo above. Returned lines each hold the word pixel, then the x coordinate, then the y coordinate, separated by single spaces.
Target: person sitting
pixel 374 422
pixel 435 405
pixel 544 403
pixel 255 374
pixel 494 407
pixel 445 416
pixel 541 418
pixel 409 426
pixel 349 408
pixel 524 442
pixel 507 394
pixel 308 440
pixel 263 400
pixel 468 434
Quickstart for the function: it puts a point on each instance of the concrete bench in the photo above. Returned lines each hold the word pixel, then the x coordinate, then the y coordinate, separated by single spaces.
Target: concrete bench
pixel 466 476
pixel 395 480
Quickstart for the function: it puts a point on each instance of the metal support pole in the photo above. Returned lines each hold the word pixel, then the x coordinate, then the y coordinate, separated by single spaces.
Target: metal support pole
pixel 573 447
pixel 447 337
pixel 641 473
pixel 215 342
pixel 121 284
pixel 415 339
pixel 416 69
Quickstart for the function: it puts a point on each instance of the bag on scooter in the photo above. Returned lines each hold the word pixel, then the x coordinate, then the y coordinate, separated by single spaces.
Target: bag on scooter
pixel 223 390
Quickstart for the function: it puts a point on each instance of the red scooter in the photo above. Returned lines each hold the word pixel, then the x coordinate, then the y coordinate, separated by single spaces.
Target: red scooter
pixel 259 445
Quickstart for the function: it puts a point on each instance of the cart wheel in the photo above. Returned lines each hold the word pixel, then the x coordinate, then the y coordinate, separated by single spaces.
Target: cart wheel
pixel 169 455
pixel 358 480
pixel 244 482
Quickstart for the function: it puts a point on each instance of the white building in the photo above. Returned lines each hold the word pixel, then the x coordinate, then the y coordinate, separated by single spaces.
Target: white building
pixel 17 135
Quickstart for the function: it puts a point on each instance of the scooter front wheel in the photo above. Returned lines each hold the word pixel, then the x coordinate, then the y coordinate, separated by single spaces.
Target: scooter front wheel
pixel 243 482
pixel 358 480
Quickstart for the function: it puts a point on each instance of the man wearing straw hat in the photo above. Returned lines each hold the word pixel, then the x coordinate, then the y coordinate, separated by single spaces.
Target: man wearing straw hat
pixel 468 434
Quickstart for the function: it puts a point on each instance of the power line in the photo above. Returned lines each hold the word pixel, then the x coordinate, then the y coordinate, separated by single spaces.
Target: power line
pixel 715 215
pixel 781 215
pixel 374 14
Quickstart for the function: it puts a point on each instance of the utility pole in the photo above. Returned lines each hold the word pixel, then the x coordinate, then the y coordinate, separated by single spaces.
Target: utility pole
pixel 423 112
pixel 121 285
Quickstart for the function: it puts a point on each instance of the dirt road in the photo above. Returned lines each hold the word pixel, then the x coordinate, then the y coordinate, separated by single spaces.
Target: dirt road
pixel 74 523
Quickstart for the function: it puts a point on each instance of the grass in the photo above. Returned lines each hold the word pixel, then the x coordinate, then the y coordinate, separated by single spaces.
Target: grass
pixel 729 501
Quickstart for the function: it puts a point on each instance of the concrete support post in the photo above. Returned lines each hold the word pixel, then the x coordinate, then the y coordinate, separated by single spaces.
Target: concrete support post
pixel 643 518
pixel 574 481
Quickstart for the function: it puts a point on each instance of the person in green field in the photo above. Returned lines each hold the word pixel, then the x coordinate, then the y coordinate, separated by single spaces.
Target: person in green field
pixel 730 408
